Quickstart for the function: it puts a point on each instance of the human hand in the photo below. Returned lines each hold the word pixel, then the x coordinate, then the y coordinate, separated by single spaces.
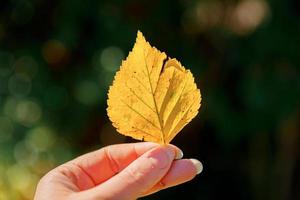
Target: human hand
pixel 123 171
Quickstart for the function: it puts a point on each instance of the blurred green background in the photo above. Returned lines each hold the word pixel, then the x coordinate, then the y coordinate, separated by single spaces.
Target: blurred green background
pixel 57 59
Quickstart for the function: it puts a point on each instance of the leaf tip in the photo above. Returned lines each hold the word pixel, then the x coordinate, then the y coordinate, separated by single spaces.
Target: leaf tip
pixel 140 36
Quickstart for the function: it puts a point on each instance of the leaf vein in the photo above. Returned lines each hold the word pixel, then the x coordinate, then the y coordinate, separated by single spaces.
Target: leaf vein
pixel 137 112
pixel 155 60
pixel 140 82
pixel 155 104
pixel 133 92
pixel 138 129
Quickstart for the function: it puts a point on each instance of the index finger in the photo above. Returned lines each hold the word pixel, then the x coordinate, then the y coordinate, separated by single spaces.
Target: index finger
pixel 104 163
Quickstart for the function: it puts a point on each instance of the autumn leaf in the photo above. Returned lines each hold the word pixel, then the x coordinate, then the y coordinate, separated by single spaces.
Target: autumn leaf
pixel 152 97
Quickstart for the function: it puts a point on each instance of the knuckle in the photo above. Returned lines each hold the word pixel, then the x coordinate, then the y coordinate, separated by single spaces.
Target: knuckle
pixel 159 161
pixel 135 176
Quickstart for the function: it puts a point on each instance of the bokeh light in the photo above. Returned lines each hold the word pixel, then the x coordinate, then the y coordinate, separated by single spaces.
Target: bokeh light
pixel 40 138
pixel 19 85
pixel 241 18
pixel 87 92
pixel 21 180
pixel 25 112
pixel 54 51
pixel 26 65
pixel 111 58
pixel 28 113
pixel 24 154
pixel 247 15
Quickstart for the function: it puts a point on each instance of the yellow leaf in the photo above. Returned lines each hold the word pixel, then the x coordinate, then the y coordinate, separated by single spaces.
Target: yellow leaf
pixel 152 97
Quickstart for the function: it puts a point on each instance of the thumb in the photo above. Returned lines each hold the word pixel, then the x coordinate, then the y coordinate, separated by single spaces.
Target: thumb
pixel 137 178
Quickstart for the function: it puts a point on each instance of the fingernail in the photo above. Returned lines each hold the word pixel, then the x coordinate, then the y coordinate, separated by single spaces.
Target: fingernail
pixel 179 154
pixel 171 152
pixel 198 165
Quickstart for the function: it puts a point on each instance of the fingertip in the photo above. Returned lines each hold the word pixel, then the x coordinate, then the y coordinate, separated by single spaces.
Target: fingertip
pixel 171 152
pixel 181 171
pixel 162 155
pixel 178 152
pixel 198 165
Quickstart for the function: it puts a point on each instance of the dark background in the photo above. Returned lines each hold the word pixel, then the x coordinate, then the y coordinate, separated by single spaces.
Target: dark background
pixel 57 59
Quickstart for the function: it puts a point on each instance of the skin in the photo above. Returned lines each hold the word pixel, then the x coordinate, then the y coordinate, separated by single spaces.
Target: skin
pixel 123 171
